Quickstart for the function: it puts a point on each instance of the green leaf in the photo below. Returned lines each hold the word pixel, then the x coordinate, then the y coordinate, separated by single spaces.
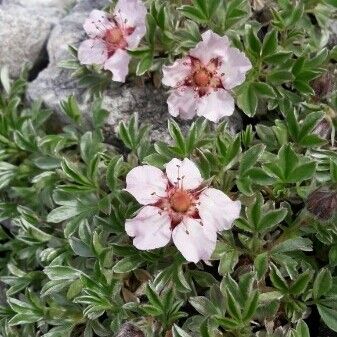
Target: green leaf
pixel 261 265
pixel 291 168
pixel 71 109
pixel 302 330
pixel 144 64
pixel 253 42
pixel 99 115
pixel 177 136
pixel 322 284
pixel 127 264
pixel 250 157
pixel 269 44
pixel 80 248
pixel 229 259
pixel 291 245
pixel 279 76
pixel 302 172
pixel 272 218
pixel 227 323
pixel 5 80
pixel 264 89
pixel 113 171
pixel 62 213
pixel 247 99
pixel 333 255
pixel 333 170
pixel 329 316
pixel 251 306
pixel 278 57
pixel 62 273
pixel 23 319
pixel 194 13
pixel 233 307
pixel 178 332
pixel 300 284
pixel 278 280
pixel 203 305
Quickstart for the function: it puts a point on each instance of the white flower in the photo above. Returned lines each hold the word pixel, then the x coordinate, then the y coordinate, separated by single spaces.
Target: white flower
pixel 177 205
pixel 110 36
pixel 202 80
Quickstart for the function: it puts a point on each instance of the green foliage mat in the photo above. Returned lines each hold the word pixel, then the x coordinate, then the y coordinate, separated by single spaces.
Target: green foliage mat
pixel 67 267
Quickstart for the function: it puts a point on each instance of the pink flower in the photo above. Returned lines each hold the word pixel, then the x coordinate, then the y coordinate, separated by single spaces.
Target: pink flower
pixel 177 204
pixel 202 80
pixel 111 35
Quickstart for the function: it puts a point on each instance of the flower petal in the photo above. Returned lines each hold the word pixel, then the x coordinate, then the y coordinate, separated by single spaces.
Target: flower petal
pixel 147 184
pixel 92 51
pixel 192 241
pixel 217 210
pixel 215 105
pixel 234 68
pixel 118 64
pixel 175 74
pixel 183 173
pixel 97 24
pixel 212 46
pixel 151 228
pixel 134 39
pixel 182 102
pixel 130 13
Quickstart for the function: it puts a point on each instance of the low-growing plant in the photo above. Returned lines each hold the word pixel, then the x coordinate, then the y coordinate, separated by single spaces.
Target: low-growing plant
pixel 257 209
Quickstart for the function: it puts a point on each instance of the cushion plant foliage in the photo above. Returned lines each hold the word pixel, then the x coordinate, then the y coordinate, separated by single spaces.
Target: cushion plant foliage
pixel 80 254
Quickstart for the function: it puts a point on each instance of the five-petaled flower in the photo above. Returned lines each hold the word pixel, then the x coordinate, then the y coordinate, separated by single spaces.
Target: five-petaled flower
pixel 180 205
pixel 111 35
pixel 202 80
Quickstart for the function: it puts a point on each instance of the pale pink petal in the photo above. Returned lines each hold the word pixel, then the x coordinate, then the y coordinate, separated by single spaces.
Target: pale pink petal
pixel 130 13
pixel 175 74
pixel 234 68
pixel 183 173
pixel 97 24
pixel 134 39
pixel 215 105
pixel 92 51
pixel 182 102
pixel 217 210
pixel 192 241
pixel 118 64
pixel 212 46
pixel 147 184
pixel 151 228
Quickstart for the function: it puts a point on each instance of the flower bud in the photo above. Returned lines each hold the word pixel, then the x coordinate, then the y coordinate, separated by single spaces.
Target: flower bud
pixel 323 129
pixel 326 127
pixel 322 203
pixel 323 85
pixel 129 330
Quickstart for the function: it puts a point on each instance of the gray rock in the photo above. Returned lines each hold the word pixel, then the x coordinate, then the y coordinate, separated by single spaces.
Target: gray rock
pixel 61 4
pixel 55 84
pixel 23 34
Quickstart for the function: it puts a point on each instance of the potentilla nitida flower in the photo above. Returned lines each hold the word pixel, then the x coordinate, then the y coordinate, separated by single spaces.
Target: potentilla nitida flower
pixel 202 80
pixel 111 35
pixel 178 205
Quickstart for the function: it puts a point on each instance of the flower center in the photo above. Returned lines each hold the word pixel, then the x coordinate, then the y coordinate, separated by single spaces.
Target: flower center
pixel 114 36
pixel 180 201
pixel 202 78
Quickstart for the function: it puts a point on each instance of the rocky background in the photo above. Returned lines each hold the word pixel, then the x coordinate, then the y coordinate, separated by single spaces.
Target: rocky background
pixel 37 33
